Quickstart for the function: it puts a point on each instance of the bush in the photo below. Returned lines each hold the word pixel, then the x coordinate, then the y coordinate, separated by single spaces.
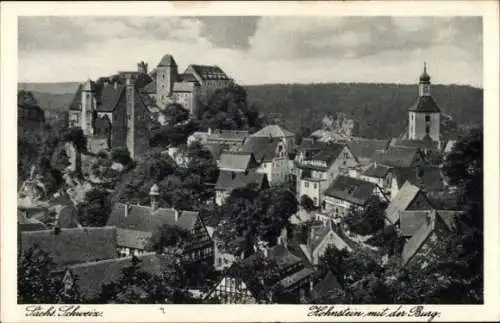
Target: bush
pixel 121 155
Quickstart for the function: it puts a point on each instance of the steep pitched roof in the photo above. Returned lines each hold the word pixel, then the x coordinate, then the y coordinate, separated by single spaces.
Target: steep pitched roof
pixel 110 97
pixel 365 148
pixel 207 72
pixel 328 154
pixel 351 189
pixel 425 143
pixel 235 161
pixel 228 181
pixel 425 177
pixel 76 102
pixel 297 276
pixel 71 246
pixel 90 276
pixel 377 171
pixel 397 156
pixel 425 104
pixel 273 131
pixel 146 219
pixel 411 221
pixel 401 201
pixel 325 286
pixel 188 77
pixel 167 60
pixel 449 218
pixel 150 87
pixel 311 144
pixel 264 149
pixel 412 246
pixel 214 149
pixel 318 234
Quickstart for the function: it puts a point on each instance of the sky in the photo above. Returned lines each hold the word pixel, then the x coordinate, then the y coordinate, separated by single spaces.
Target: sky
pixel 256 50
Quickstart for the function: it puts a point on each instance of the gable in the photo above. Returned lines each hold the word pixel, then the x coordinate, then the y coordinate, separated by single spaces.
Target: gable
pixel 420 202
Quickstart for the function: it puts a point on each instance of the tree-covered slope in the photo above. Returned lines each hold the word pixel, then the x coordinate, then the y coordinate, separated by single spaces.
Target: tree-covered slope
pixel 380 108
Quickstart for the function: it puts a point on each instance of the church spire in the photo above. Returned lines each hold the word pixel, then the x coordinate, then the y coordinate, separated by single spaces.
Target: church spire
pixel 424 87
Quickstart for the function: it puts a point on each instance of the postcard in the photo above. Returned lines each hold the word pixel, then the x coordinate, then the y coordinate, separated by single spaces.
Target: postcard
pixel 250 161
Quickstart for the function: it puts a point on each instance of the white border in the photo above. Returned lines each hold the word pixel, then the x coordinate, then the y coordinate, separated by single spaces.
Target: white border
pixel 11 312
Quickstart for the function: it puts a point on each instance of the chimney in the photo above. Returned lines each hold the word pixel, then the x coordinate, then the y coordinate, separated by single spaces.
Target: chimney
pixel 115 84
pixel 209 131
pixel 127 208
pixel 176 215
pixel 154 192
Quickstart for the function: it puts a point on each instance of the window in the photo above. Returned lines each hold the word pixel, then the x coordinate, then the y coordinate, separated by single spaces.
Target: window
pixel 315 185
pixel 427 130
pixel 427 118
pixel 315 201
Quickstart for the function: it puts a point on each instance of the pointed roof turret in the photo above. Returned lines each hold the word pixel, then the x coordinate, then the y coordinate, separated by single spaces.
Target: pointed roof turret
pixel 424 77
pixel 167 60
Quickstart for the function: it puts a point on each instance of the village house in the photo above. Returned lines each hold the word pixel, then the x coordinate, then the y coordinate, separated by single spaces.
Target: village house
pixel 412 220
pixel 272 157
pixel 277 132
pixel 364 149
pixel 136 225
pixel 321 237
pixel 72 246
pixel 316 173
pixel 399 156
pixel 409 197
pixel 380 175
pixel 423 248
pixel 427 178
pixel 293 280
pixel 346 193
pixel 308 147
pixel 230 180
pixel 237 161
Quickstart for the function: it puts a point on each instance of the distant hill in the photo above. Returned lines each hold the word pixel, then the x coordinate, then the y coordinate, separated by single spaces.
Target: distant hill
pixel 380 108
pixel 52 88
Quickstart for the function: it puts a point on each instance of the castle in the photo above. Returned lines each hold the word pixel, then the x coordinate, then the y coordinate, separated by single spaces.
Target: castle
pixel 116 111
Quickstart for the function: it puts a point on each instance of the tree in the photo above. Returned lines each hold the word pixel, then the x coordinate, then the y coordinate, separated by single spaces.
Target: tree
pixel 249 216
pixel 368 220
pixel 136 286
pixel 169 238
pixel 76 136
pixel 307 203
pixel 121 155
pixel 36 283
pixel 95 209
pixel 175 113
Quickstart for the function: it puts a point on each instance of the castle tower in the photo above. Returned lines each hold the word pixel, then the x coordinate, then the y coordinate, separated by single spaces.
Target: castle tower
pixel 130 102
pixel 166 75
pixel 424 115
pixel 88 107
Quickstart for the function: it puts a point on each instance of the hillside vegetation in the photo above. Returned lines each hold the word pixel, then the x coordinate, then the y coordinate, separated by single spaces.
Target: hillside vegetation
pixel 380 108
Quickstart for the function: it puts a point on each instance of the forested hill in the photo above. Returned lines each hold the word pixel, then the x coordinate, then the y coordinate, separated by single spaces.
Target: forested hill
pixel 380 108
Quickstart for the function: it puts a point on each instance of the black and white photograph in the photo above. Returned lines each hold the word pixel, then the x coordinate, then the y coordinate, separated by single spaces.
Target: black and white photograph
pixel 250 159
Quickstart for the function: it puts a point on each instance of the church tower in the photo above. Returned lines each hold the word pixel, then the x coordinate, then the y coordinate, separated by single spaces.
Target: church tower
pixel 424 115
pixel 166 75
